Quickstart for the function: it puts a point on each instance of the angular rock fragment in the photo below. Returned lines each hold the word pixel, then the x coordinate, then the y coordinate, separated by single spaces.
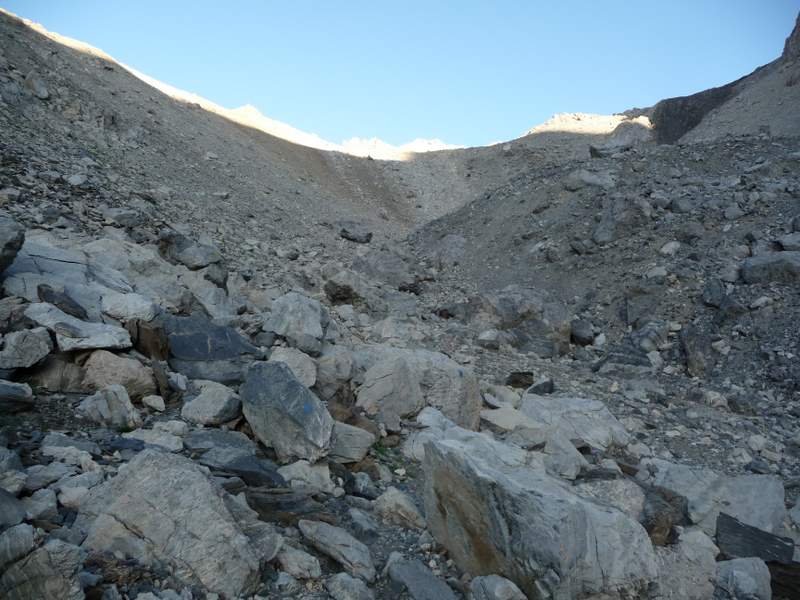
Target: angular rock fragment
pixel 111 406
pixel 162 508
pixel 23 349
pixel 74 334
pixel 340 546
pixel 48 573
pixel 285 414
pixel 214 404
pixel 104 368
pixel 349 443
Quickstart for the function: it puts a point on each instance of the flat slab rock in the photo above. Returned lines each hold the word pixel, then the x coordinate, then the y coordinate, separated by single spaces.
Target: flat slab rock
pixel 74 334
pixel 413 577
pixel 340 546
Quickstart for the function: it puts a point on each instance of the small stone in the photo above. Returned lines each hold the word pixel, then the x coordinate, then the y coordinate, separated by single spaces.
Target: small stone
pixel 397 508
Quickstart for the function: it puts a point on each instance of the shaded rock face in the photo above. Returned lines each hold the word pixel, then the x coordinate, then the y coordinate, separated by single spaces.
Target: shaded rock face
pixel 674 117
pixel 163 507
pixel 285 414
pixel 48 573
pixel 12 236
pixel 201 350
pixel 497 515
pixel 791 49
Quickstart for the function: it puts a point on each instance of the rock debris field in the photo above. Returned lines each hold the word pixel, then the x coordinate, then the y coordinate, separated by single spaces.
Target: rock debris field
pixel 567 366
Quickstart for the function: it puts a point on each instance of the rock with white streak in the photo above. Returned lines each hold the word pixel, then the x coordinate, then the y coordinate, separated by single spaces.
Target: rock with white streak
pixel 164 509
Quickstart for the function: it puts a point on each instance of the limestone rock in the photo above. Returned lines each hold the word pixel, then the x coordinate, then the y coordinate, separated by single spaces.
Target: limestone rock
pixel 15 397
pixel 391 391
pixel 299 319
pixel 214 404
pixel 577 418
pixel 74 334
pixel 104 368
pixel 301 364
pixel 743 579
pixel 497 513
pixel 397 508
pixel 346 587
pixel 48 573
pixel 111 406
pixel 349 443
pixel 340 546
pixel 162 508
pixel 23 349
pixel 494 587
pixel 299 564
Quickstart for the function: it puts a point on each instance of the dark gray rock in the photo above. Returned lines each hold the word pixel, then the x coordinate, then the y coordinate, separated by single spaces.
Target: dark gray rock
pixel 15 397
pixel 12 511
pixel 414 578
pixel 582 332
pixel 778 266
pixel 285 414
pixel 12 236
pixel 355 232
pixel 346 587
pixel 202 350
pixel 739 540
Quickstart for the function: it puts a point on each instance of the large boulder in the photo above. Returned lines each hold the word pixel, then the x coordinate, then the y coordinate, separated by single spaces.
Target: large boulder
pixel 285 414
pixel 445 385
pixel 214 404
pixel 202 350
pixel 496 513
pixel 12 236
pixel 67 278
pixel 23 349
pixel 164 509
pixel 299 319
pixel 105 368
pixel 577 418
pixel 391 391
pixel 48 573
pixel 74 334
pixel 112 407
pixel 756 500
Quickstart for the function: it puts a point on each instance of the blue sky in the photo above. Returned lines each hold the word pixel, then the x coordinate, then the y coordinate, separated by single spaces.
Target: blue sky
pixel 465 72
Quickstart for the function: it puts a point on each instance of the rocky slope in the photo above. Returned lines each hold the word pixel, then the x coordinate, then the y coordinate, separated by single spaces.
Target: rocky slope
pixel 235 367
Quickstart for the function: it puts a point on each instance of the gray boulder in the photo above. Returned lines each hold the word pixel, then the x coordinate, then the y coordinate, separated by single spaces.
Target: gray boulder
pixel 48 573
pixel 111 406
pixel 743 579
pixel 756 500
pixel 74 334
pixel 687 569
pixel 202 350
pixel 12 236
pixel 12 511
pixel 349 443
pixel 497 512
pixel 15 397
pixel 213 405
pixel 391 391
pixel 494 587
pixel 341 547
pixel 413 577
pixel 15 542
pixel 163 509
pixel 284 414
pixel 346 587
pixel 355 232
pixel 776 266
pixel 577 418
pixel 23 349
pixel 398 508
pixel 445 385
pixel 299 319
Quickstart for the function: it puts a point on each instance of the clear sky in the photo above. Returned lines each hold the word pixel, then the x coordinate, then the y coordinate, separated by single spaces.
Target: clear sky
pixel 467 72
